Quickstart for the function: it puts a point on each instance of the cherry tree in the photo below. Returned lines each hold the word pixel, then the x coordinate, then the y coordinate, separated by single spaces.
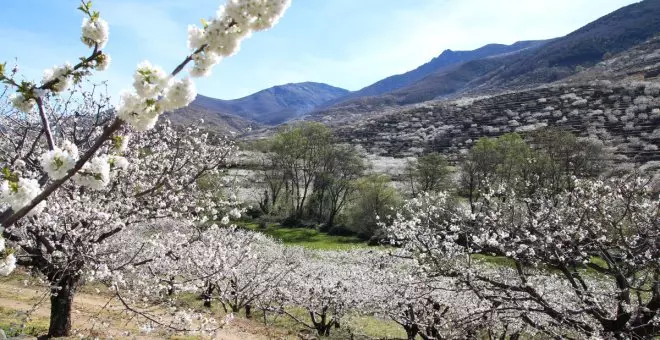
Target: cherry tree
pixel 425 306
pixel 155 179
pixel 146 261
pixel 580 263
pixel 239 268
pixel 327 285
pixel 77 172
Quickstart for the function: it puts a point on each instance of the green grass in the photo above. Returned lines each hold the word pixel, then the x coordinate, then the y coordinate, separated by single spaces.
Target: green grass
pixel 11 325
pixel 308 238
pixel 360 325
pixel 376 328
pixel 500 261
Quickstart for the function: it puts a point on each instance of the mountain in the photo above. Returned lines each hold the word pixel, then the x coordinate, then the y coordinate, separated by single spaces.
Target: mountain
pixel 213 119
pixel 613 33
pixel 521 68
pixel 446 59
pixel 276 104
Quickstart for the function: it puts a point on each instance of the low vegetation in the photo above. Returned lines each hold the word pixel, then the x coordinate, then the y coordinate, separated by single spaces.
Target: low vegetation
pixel 306 237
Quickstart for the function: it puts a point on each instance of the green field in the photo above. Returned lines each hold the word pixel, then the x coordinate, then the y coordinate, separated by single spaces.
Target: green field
pixel 307 237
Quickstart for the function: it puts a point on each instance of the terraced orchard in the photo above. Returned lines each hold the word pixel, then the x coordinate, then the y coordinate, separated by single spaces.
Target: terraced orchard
pixel 625 117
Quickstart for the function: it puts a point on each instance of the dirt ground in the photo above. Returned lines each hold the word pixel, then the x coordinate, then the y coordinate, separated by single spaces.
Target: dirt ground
pixel 91 319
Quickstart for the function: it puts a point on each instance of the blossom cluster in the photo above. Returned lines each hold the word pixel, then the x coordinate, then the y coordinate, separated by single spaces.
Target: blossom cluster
pixel 155 92
pixel 7 259
pixel 18 194
pixel 62 76
pixel 59 161
pixel 23 103
pixel 236 20
pixel 95 174
pixel 95 32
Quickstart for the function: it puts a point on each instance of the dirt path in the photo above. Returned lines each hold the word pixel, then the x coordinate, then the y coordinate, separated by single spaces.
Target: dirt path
pixel 90 318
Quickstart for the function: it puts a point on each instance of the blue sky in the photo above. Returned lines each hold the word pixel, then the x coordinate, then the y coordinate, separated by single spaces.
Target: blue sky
pixel 345 43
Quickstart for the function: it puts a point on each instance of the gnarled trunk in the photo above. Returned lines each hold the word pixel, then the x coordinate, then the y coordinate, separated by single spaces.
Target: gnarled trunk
pixel 207 296
pixel 324 325
pixel 411 331
pixel 61 302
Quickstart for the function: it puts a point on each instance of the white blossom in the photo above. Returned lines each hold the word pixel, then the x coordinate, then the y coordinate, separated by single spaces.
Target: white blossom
pixel 103 62
pixel 95 174
pixel 179 94
pixel 118 162
pixel 149 80
pixel 146 328
pixel 19 102
pixel 234 22
pixel 204 62
pixel 142 114
pixel 63 76
pixel 59 161
pixel 196 37
pixel 123 145
pixel 235 213
pixel 7 265
pixel 19 194
pixel 95 32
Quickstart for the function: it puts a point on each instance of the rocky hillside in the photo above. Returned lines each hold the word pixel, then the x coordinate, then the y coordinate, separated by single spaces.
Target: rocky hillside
pixel 642 62
pixel 626 117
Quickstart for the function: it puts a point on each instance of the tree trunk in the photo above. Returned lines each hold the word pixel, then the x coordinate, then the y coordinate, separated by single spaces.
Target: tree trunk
pixel 170 288
pixel 322 326
pixel 323 329
pixel 331 219
pixel 208 295
pixel 411 332
pixel 61 301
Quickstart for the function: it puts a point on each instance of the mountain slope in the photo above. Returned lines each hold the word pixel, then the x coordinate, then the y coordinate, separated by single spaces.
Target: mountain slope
pixel 446 59
pixel 557 59
pixel 613 33
pixel 276 104
pixel 213 119
pixel 552 61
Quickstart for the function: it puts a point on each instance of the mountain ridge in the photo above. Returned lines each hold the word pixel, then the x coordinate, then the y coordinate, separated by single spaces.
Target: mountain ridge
pixel 490 69
pixel 273 105
pixel 447 58
pixel 555 60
